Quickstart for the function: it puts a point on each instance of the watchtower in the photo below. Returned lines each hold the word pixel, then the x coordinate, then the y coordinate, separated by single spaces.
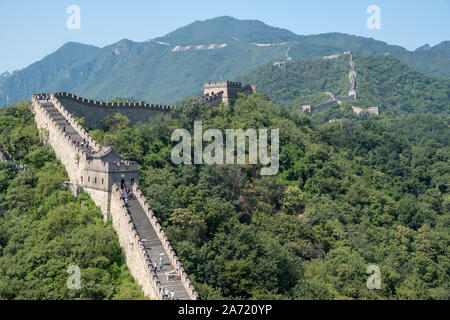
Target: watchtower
pixel 228 89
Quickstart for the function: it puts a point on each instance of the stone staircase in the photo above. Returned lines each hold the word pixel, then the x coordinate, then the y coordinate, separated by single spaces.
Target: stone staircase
pixel 167 276
pixel 62 122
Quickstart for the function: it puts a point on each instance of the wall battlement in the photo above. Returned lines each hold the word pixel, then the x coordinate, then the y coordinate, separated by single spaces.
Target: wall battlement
pixel 352 95
pixel 94 112
pixel 221 84
pixel 114 105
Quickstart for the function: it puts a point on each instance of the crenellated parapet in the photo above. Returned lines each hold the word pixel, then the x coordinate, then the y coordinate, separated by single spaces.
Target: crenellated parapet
pixel 213 99
pixel 72 121
pixel 221 84
pixel 165 242
pixel 138 260
pixel 94 112
pixel 115 105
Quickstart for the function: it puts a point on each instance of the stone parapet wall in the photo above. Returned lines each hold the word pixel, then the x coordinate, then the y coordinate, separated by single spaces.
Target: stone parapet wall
pixel 65 149
pixel 229 84
pixel 136 256
pixel 114 105
pixel 165 242
pixel 213 99
pixel 74 123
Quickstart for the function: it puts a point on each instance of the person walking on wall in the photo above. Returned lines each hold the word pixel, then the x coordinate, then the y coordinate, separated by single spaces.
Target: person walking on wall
pixel 167 293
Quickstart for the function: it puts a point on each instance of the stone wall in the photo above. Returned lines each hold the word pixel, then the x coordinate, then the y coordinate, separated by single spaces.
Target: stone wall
pixel 352 91
pixel 323 106
pixel 136 256
pixel 213 99
pixel 113 105
pixel 73 122
pixel 65 150
pixel 95 111
pixel 165 242
pixel 107 196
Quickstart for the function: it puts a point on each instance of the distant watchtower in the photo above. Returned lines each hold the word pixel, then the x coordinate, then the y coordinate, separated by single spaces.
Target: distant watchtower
pixel 228 89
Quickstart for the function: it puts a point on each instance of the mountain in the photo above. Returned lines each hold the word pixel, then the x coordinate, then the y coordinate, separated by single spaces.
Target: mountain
pixel 65 69
pixel 382 81
pixel 223 29
pixel 169 68
pixel 444 46
pixel 5 75
pixel 423 48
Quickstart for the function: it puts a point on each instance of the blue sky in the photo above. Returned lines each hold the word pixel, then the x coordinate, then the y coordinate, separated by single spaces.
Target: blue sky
pixel 29 30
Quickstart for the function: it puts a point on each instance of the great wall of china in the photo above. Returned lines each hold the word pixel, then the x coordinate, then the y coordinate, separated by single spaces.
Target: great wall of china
pixel 100 171
pixel 94 111
pixel 352 95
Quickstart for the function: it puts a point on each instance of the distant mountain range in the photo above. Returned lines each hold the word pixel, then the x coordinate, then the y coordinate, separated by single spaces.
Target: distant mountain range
pixel 169 68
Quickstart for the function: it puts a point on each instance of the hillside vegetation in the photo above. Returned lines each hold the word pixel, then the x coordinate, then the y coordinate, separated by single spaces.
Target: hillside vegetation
pixel 348 195
pixel 381 81
pixel 302 81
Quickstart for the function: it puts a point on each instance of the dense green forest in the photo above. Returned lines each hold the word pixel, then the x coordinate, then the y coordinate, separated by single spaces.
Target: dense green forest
pixel 349 194
pixel 44 229
pixel 360 191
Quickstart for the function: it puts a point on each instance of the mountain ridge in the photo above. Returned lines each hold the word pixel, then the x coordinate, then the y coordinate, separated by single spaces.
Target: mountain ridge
pixel 169 68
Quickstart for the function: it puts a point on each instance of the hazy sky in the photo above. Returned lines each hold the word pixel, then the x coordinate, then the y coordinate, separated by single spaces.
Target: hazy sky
pixel 29 30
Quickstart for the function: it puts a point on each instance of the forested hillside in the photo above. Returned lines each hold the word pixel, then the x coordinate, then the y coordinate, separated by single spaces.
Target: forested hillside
pixel 44 229
pixel 349 194
pixel 381 81
pixel 303 81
